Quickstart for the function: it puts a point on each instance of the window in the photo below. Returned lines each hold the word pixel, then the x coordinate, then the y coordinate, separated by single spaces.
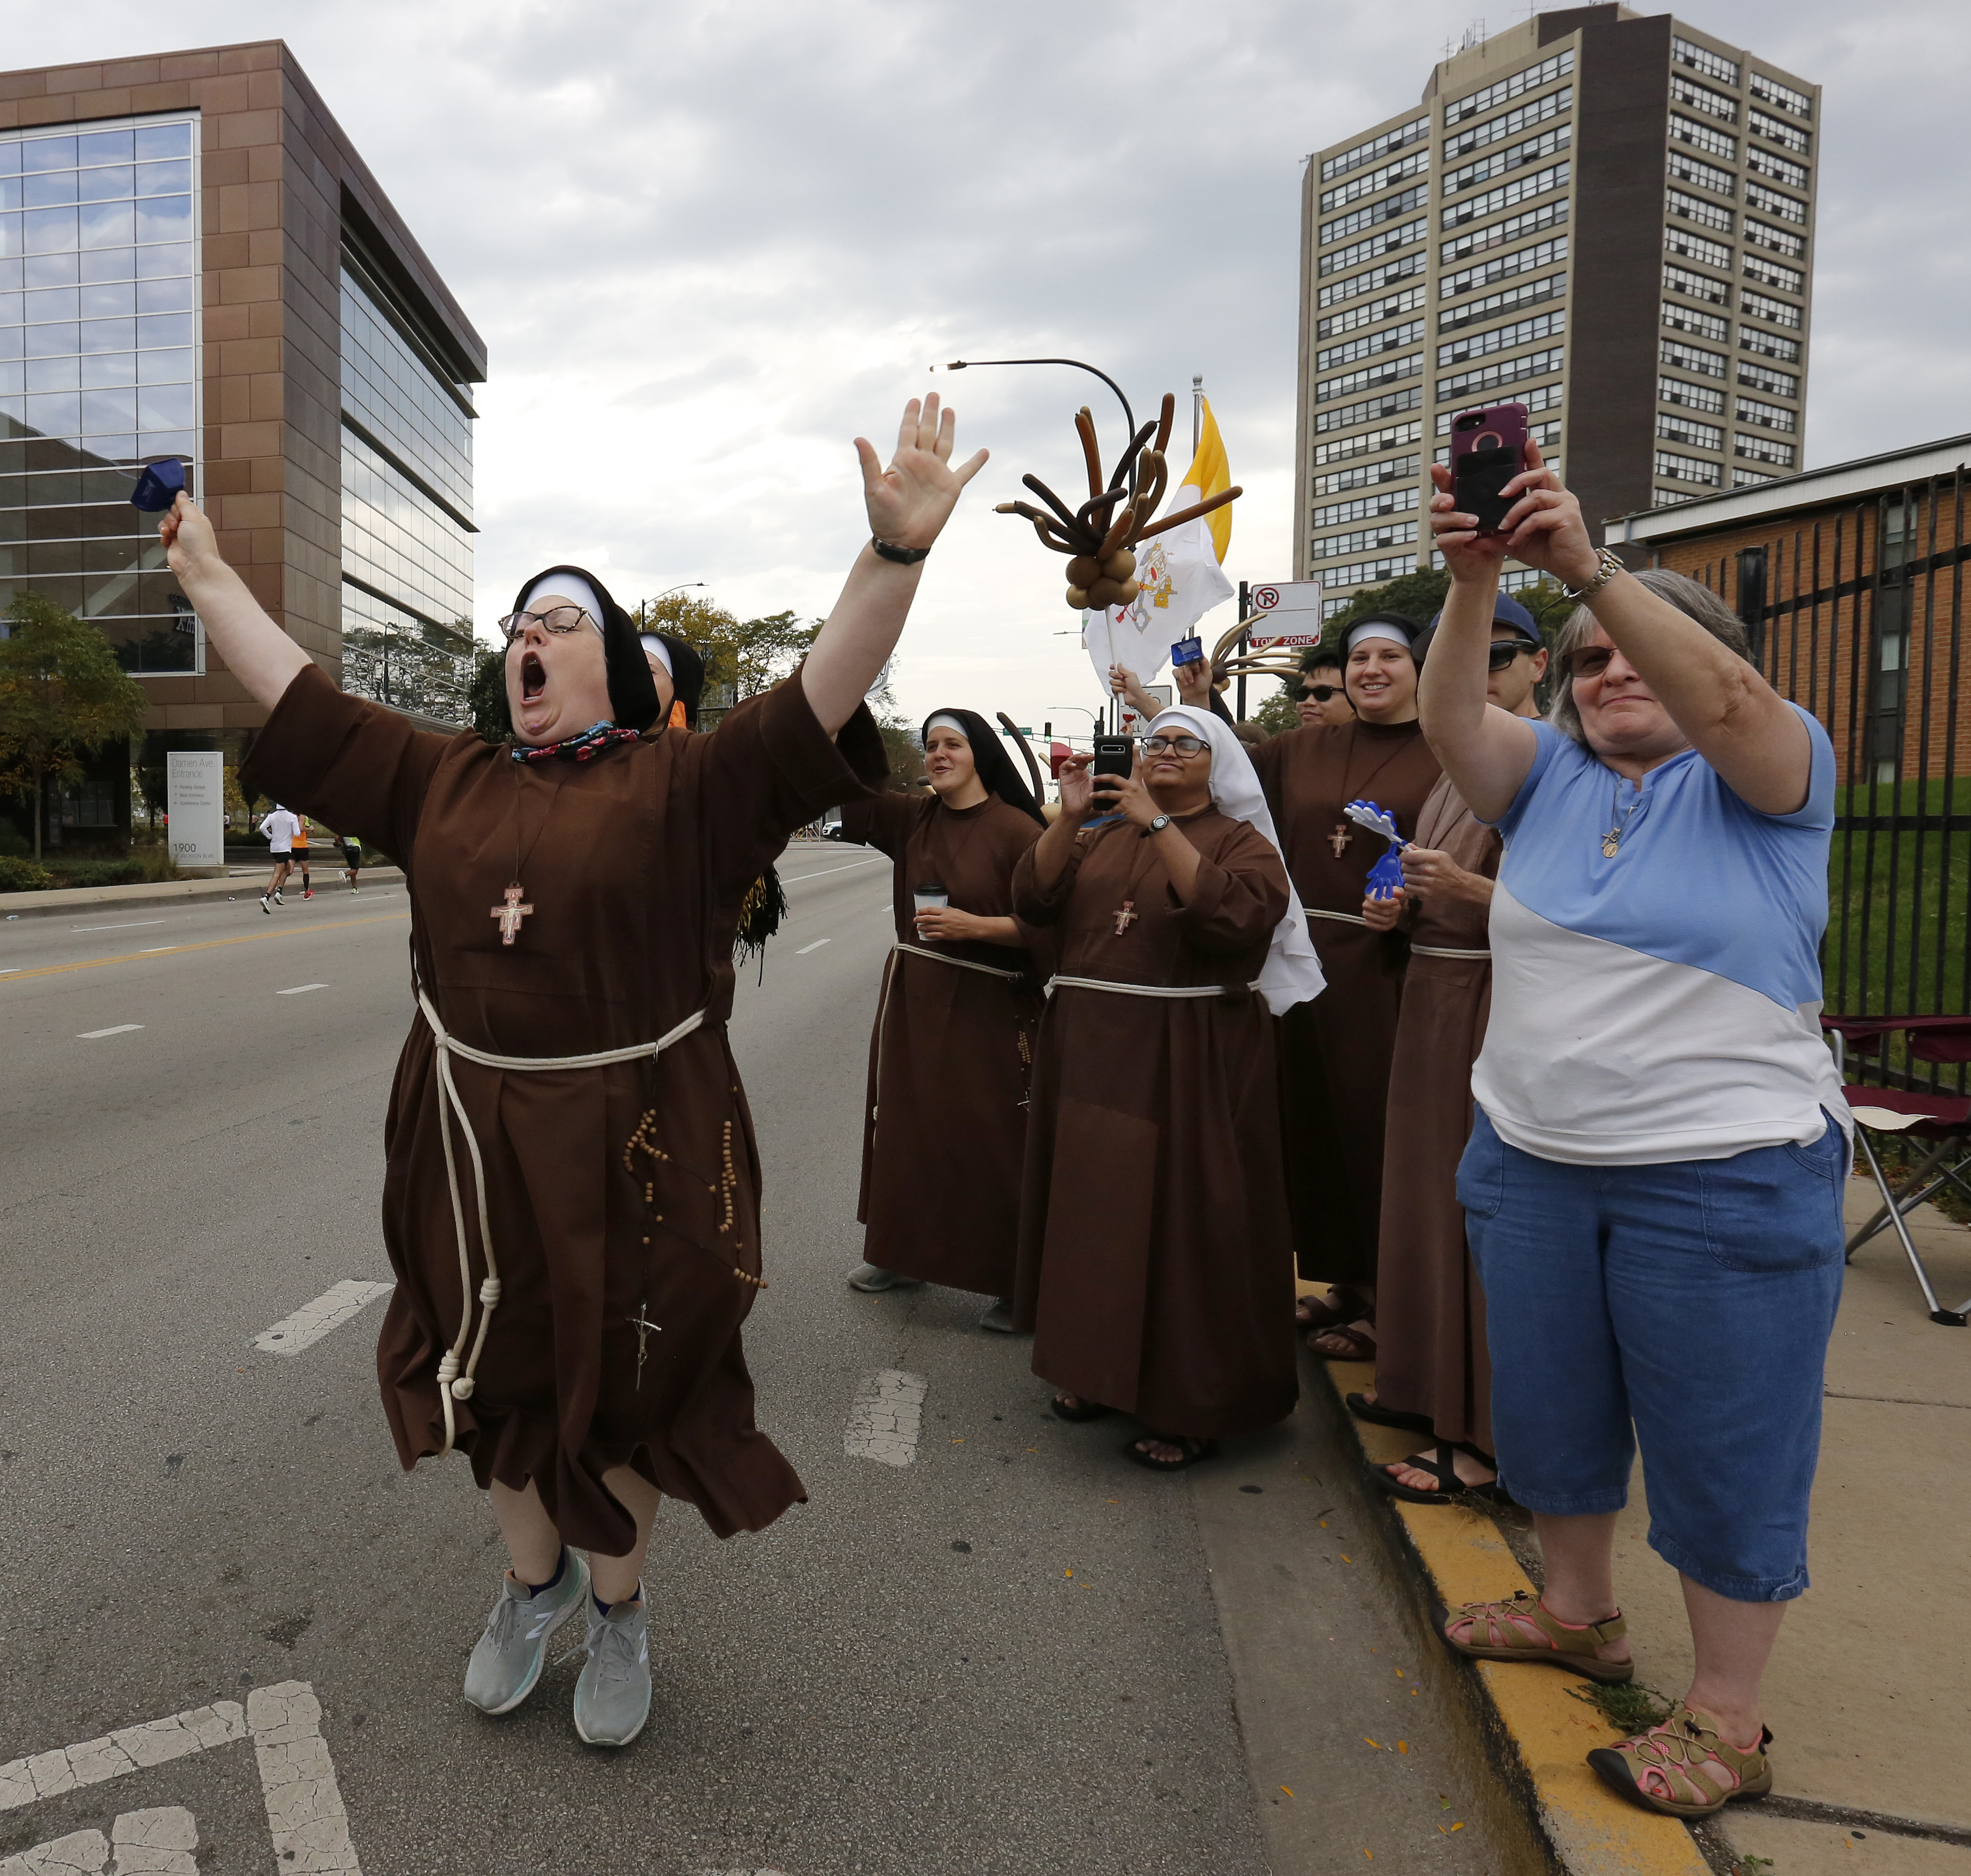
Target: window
pixel 1778 131
pixel 1393 437
pixel 99 369
pixel 1698 98
pixel 1379 245
pixel 1695 248
pixel 1410 267
pixel 1541 397
pixel 1777 240
pixel 1691 357
pixel 1483 240
pixel 1349 415
pixel 1415 164
pixel 1691 396
pixel 1357 317
pixel 1695 286
pixel 1689 431
pixel 1503 338
pixel 1471 312
pixel 1516 156
pixel 1393 372
pixel 1781 169
pixel 1365 540
pixel 1497 129
pixel 1388 209
pixel 1367 346
pixel 1475 279
pixel 1699 59
pixel 1767 416
pixel 1505 196
pixel 1506 89
pixel 1363 573
pixel 1688 319
pixel 1701 175
pixel 1702 137
pixel 1467 385
pixel 1750 478
pixel 1367 474
pixel 1375 148
pixel 1672 467
pixel 1778 311
pixel 1770 91
pixel 1769 345
pixel 1762 378
pixel 1771 274
pixel 1391 501
pixel 1669 498
pixel 1763 449
pixel 1695 208
pixel 1770 202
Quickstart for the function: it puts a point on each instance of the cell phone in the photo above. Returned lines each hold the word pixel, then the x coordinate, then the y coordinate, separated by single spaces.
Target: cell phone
pixel 1114 755
pixel 1187 651
pixel 1488 448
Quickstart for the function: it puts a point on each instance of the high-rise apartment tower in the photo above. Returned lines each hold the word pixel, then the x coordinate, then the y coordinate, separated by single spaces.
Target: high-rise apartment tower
pixel 1606 215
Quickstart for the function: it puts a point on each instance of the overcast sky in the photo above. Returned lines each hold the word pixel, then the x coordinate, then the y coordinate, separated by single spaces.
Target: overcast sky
pixel 707 245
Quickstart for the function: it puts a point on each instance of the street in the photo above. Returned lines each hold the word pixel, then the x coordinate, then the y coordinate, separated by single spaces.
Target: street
pixel 997 1647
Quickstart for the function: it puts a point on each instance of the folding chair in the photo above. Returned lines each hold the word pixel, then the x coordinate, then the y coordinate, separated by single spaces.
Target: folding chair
pixel 1943 1120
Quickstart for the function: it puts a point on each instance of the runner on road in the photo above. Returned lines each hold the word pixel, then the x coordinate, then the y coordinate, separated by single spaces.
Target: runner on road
pixel 302 855
pixel 352 859
pixel 280 827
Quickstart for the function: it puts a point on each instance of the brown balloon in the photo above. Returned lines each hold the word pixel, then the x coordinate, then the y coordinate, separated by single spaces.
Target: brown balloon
pixel 1084 570
pixel 1119 565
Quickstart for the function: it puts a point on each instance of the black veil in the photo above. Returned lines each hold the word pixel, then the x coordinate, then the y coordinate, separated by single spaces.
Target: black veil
pixel 997 769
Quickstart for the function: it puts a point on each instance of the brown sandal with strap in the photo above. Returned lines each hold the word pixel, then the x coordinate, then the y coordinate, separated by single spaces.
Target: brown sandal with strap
pixel 1685 1767
pixel 1496 1636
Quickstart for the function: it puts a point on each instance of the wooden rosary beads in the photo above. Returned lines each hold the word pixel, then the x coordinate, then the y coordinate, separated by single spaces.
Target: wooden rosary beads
pixel 644 1137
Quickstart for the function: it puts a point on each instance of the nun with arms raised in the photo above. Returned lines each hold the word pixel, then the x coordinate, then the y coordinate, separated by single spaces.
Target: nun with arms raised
pixel 949 1059
pixel 571 1202
pixel 1156 1266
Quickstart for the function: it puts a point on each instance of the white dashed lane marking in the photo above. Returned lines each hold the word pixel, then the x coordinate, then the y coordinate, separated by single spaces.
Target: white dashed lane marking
pixel 794 879
pixel 132 926
pixel 115 1029
pixel 805 949
pixel 159 1843
pixel 309 1324
pixel 300 990
pixel 883 1423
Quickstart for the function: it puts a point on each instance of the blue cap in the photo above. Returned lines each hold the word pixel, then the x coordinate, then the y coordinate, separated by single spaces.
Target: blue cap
pixel 1507 611
pixel 159 486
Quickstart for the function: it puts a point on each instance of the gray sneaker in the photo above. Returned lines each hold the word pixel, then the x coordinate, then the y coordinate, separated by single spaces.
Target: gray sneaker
pixel 874 1280
pixel 507 1660
pixel 612 1698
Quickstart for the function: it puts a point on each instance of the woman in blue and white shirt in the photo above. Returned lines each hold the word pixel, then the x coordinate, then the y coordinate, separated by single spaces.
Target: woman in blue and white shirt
pixel 1652 1183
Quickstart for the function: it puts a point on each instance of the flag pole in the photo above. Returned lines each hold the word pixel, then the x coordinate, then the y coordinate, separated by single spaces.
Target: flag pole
pixel 1197 412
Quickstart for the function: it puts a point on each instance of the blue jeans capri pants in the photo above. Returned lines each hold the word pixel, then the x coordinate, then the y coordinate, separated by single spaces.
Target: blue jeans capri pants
pixel 1685 1307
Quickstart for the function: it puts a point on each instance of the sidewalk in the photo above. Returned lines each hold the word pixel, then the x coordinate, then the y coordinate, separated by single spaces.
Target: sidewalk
pixel 241 882
pixel 1869 1691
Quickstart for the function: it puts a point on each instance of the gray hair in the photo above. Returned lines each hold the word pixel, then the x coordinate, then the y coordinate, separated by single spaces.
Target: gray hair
pixel 1691 599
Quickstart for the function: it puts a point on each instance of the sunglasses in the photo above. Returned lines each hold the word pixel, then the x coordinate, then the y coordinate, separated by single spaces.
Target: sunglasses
pixel 1590 661
pixel 1500 656
pixel 1320 693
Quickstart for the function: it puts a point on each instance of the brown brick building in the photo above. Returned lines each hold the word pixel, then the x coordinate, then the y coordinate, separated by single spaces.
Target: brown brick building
pixel 195 262
pixel 1852 581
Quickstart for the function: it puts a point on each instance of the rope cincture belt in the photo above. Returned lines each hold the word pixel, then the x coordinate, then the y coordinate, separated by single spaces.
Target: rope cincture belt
pixel 452 1384
pixel 1148 990
pixel 1444 951
pixel 964 964
pixel 1340 918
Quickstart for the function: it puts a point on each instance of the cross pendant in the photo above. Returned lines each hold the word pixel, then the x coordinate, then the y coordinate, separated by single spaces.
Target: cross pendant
pixel 1126 917
pixel 645 1329
pixel 1342 836
pixel 511 914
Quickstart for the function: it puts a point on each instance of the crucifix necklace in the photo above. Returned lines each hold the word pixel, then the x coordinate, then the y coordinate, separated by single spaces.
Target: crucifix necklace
pixel 645 1329
pixel 514 910
pixel 1618 825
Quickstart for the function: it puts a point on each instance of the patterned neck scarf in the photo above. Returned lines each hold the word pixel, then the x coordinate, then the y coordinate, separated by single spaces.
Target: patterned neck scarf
pixel 592 741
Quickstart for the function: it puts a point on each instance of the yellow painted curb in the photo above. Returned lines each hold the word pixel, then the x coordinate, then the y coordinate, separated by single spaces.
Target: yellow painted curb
pixel 1593 1833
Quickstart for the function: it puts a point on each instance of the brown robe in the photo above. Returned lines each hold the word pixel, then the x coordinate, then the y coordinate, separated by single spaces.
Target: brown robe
pixel 635 863
pixel 1430 1312
pixel 945 1122
pixel 1154 1263
pixel 1334 1051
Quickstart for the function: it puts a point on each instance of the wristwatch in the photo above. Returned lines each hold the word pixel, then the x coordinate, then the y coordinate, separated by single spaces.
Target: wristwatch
pixel 1158 826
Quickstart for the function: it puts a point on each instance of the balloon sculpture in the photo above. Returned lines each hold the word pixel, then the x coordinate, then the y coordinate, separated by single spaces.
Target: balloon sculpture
pixel 1098 535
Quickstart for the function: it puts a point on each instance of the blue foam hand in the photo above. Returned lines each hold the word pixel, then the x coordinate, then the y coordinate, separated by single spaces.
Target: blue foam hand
pixel 1385 877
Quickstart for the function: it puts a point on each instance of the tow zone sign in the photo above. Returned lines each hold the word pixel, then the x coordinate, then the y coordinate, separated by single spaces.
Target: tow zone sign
pixel 1289 615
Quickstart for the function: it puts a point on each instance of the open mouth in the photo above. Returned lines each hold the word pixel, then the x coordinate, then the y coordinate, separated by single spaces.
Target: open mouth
pixel 534 678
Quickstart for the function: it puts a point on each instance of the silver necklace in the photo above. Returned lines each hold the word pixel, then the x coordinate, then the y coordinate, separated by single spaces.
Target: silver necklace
pixel 1618 822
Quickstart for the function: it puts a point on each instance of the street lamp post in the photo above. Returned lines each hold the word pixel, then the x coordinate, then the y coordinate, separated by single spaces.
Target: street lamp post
pixel 1128 416
pixel 683 586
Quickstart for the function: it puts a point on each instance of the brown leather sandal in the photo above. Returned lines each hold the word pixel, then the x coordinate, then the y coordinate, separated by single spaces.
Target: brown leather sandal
pixel 1685 1767
pixel 1355 1345
pixel 1496 1636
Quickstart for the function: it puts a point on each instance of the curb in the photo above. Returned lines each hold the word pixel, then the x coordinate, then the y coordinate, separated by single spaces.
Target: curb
pixel 1538 1734
pixel 54 904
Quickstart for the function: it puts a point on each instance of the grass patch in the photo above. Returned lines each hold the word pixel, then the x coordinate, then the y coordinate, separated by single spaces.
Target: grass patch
pixel 1629 1706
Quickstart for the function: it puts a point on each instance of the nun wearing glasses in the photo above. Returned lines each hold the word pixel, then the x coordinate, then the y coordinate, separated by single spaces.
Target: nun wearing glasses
pixel 1156 1265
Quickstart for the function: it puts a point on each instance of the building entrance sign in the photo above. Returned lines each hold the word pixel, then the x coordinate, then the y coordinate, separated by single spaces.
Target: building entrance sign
pixel 195 804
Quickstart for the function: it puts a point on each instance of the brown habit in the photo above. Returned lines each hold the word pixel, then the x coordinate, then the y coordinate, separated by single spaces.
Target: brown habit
pixel 1430 1312
pixel 1154 1265
pixel 1334 1051
pixel 635 863
pixel 945 1120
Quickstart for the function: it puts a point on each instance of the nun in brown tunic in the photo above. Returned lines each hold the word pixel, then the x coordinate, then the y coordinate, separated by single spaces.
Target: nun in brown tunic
pixel 1335 1050
pixel 952 1044
pixel 1154 1261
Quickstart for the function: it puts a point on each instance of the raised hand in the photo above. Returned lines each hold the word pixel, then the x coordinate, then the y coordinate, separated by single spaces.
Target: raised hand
pixel 190 543
pixel 1077 789
pixel 910 501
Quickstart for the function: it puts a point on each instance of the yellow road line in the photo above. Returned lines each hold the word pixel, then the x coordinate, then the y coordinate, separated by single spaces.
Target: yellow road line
pixel 207 944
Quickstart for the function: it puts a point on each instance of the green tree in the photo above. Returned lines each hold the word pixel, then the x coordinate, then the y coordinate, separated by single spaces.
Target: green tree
pixel 486 706
pixel 1280 711
pixel 62 692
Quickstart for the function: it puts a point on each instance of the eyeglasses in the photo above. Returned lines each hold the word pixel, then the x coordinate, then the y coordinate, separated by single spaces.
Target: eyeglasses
pixel 560 619
pixel 1501 656
pixel 1590 661
pixel 1185 746
pixel 1320 693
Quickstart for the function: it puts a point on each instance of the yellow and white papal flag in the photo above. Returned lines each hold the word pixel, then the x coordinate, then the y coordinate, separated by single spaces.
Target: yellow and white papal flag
pixel 1179 572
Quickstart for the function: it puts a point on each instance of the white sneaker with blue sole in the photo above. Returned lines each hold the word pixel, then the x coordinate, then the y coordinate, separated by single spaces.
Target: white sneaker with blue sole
pixel 507 1663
